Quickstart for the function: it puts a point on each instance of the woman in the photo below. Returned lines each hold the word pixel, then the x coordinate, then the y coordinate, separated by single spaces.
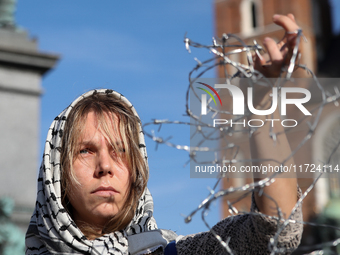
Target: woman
pixel 92 187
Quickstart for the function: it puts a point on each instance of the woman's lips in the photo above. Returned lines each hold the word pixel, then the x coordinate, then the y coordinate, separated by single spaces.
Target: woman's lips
pixel 104 191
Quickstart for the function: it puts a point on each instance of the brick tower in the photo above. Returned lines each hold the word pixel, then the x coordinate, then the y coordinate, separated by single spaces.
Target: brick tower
pixel 252 20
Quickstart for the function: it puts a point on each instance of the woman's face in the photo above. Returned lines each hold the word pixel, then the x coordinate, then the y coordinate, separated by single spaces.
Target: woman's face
pixel 102 173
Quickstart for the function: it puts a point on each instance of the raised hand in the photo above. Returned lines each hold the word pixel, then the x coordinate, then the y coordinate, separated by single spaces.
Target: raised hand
pixel 278 54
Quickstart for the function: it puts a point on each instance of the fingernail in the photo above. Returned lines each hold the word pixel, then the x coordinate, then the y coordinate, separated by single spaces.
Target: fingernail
pixel 276 16
pixel 266 39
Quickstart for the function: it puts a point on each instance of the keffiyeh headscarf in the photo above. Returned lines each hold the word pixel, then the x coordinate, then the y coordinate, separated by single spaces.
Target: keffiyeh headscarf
pixel 52 230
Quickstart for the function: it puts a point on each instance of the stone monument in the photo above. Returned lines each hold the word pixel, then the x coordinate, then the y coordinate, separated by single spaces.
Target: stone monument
pixel 22 66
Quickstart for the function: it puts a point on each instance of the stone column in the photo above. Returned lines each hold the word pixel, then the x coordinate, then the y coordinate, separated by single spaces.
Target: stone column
pixel 21 69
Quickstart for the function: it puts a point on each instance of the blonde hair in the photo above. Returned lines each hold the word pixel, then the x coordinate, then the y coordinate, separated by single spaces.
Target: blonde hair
pixel 104 106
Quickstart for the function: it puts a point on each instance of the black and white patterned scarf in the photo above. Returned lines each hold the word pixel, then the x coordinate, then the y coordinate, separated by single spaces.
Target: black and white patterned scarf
pixel 52 230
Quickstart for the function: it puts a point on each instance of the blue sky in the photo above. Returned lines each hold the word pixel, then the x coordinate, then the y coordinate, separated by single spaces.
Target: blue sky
pixel 336 17
pixel 137 49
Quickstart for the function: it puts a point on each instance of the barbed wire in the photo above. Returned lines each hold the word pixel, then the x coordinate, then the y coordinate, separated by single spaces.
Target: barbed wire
pixel 222 51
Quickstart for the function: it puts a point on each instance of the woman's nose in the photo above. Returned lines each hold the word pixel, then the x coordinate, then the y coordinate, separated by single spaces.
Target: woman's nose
pixel 104 164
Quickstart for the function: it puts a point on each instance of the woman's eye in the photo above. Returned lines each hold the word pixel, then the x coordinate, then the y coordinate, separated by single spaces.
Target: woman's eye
pixel 84 151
